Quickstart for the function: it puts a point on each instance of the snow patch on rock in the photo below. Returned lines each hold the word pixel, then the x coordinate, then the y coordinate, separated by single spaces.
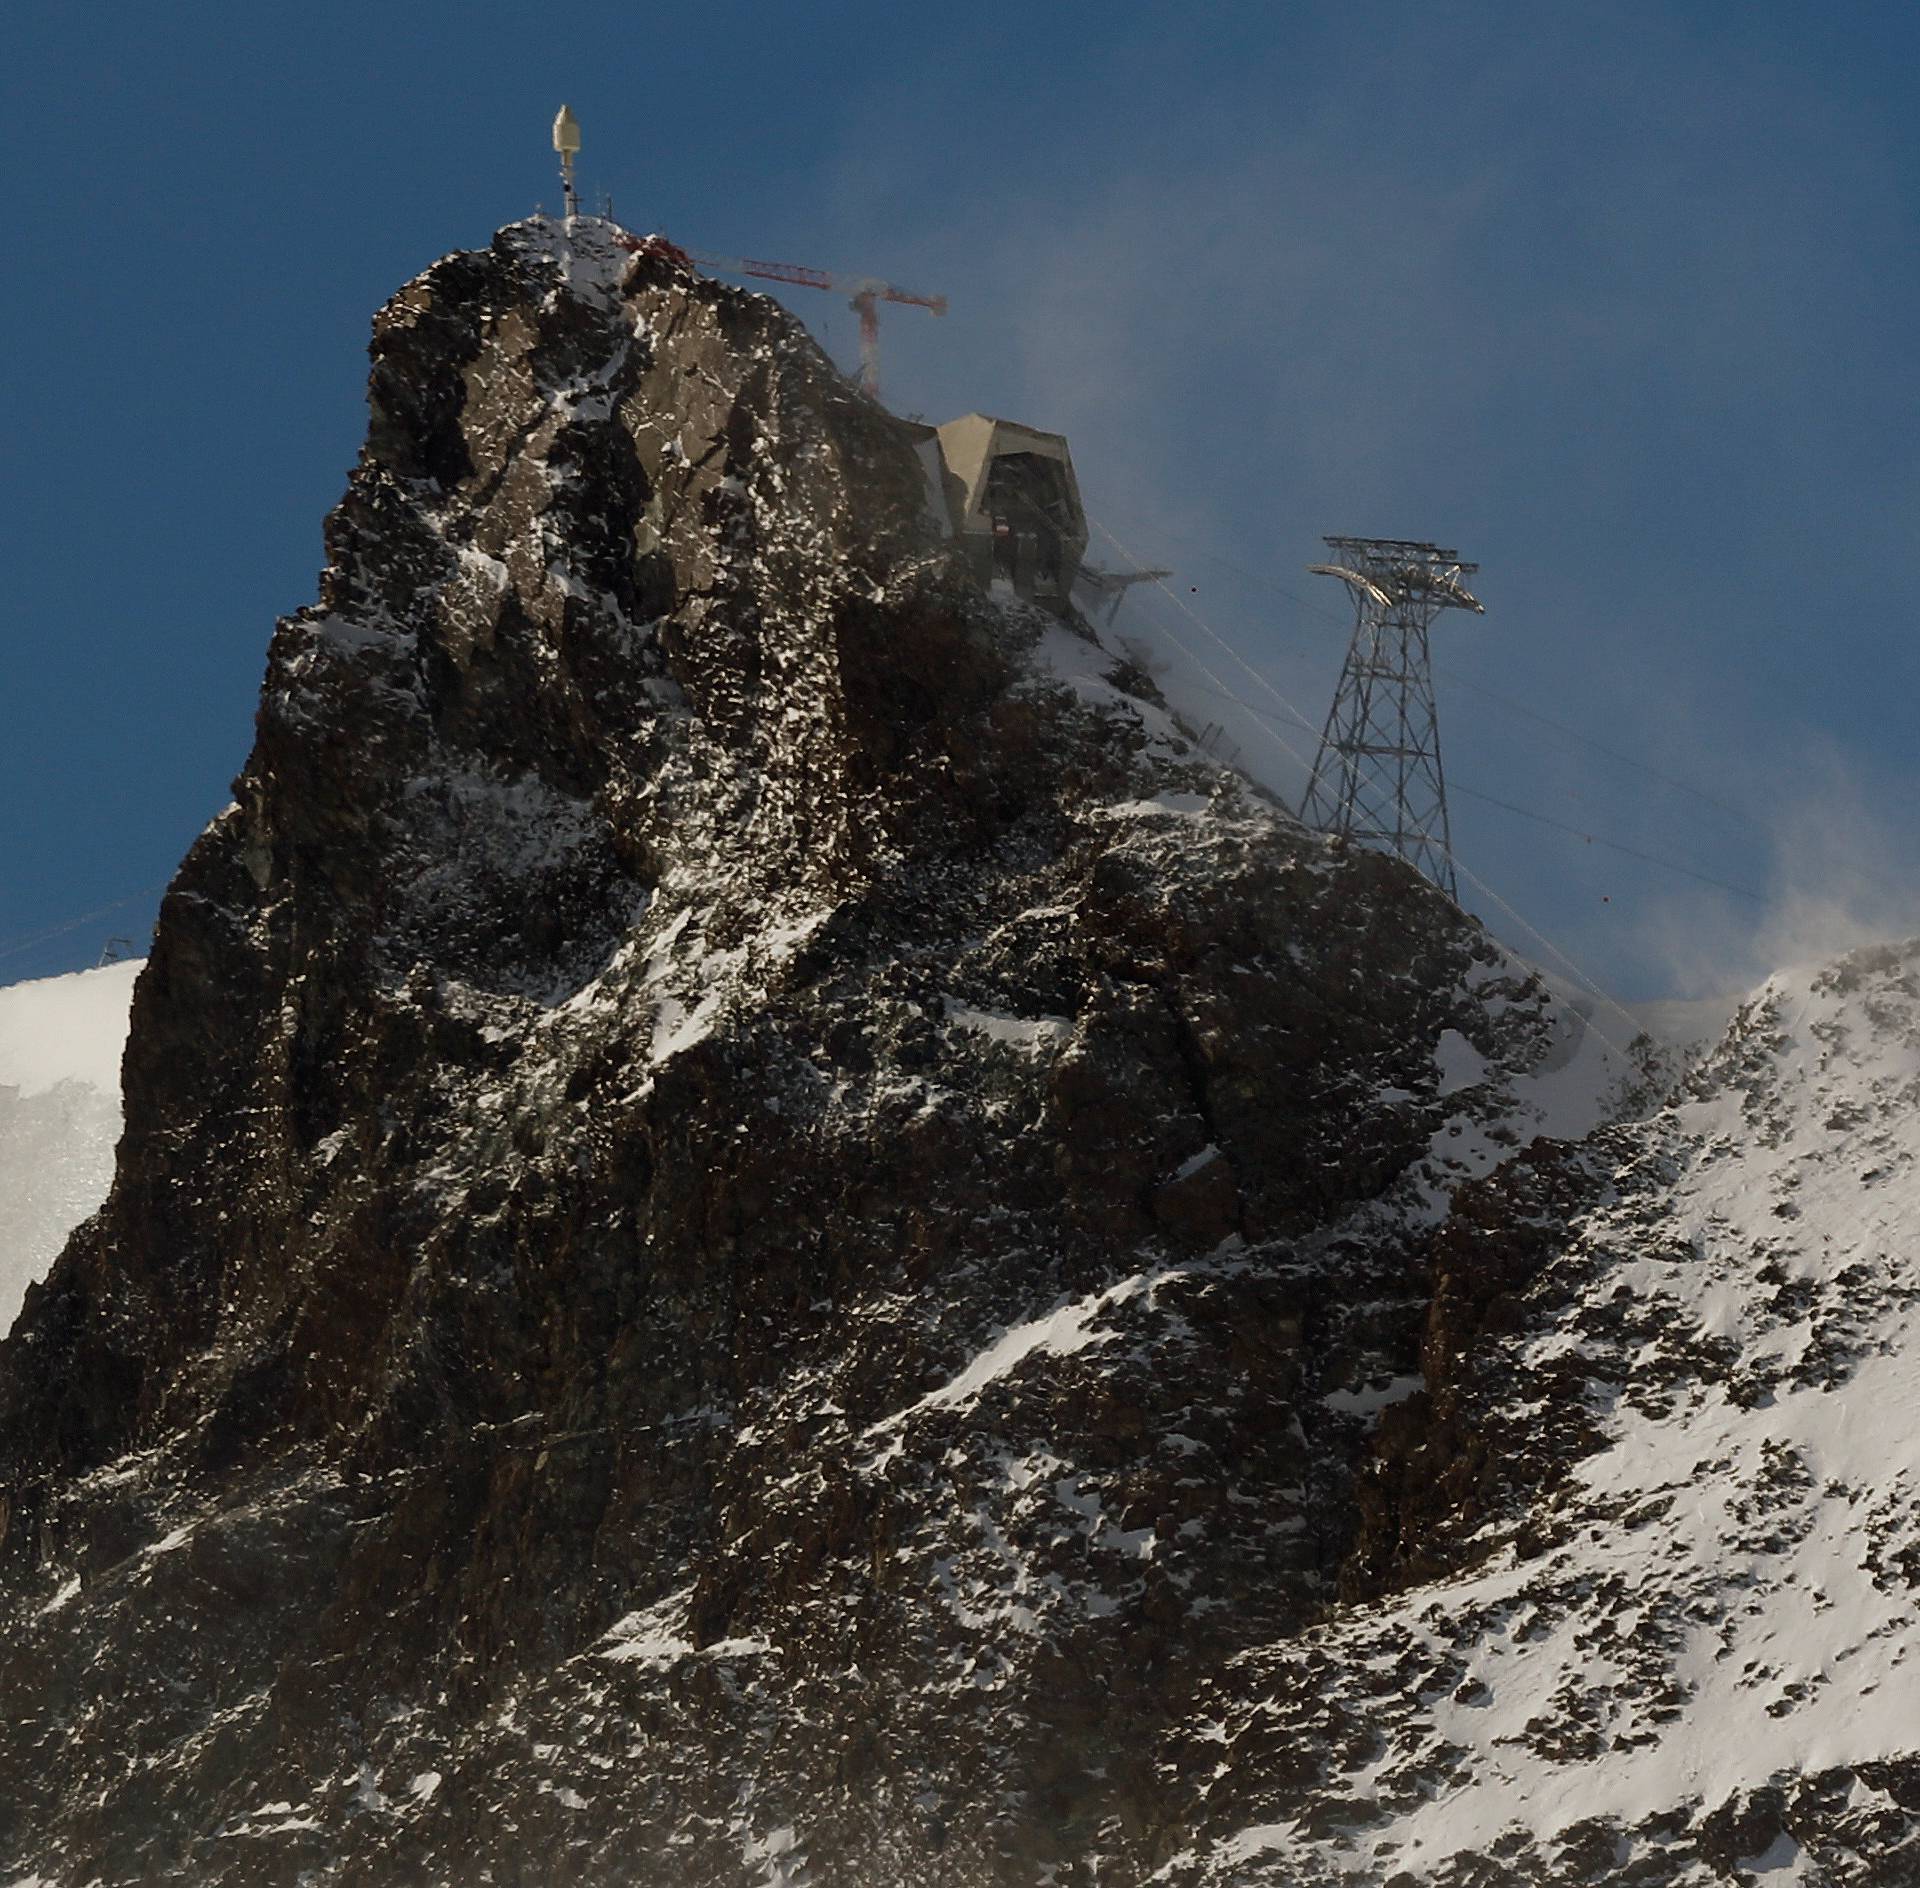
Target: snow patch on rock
pixel 60 1043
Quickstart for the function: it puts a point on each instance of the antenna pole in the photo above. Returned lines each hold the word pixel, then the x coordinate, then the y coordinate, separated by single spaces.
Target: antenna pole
pixel 1377 777
pixel 566 140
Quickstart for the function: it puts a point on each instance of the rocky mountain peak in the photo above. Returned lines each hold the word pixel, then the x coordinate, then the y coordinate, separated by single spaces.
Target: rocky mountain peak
pixel 762 1223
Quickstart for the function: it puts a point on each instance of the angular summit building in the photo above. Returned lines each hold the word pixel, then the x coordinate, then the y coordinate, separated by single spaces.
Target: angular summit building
pixel 1008 493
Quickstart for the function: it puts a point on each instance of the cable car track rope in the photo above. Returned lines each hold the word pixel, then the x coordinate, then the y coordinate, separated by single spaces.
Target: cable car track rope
pixel 13 947
pixel 1265 721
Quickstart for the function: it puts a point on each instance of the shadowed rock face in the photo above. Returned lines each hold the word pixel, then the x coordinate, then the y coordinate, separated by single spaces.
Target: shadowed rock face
pixel 758 1219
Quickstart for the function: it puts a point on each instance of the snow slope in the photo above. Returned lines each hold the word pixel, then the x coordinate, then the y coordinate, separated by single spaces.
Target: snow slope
pixel 1706 1620
pixel 60 1042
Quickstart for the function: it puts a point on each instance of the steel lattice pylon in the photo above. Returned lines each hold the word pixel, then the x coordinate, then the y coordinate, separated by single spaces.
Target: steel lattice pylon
pixel 1377 777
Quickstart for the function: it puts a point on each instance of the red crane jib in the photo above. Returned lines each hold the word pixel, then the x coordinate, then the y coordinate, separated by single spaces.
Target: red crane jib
pixel 798 274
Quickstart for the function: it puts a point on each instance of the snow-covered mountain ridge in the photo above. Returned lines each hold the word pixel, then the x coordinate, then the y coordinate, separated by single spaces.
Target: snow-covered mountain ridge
pixel 1681 1648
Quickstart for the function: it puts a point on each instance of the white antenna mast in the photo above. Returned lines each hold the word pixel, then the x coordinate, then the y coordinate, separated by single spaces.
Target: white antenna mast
pixel 566 140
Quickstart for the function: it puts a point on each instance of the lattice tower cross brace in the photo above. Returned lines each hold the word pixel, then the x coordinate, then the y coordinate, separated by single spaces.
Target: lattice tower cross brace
pixel 1377 776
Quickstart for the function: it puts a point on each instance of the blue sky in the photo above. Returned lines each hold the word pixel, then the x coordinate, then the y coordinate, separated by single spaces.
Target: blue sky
pixel 1618 299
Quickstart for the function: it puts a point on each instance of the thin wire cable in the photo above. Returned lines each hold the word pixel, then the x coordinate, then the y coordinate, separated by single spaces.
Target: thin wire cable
pixel 1539 936
pixel 15 946
pixel 1314 608
pixel 1222 692
pixel 1600 747
pixel 1532 930
pixel 1612 845
pixel 1672 781
pixel 1265 722
pixel 1179 603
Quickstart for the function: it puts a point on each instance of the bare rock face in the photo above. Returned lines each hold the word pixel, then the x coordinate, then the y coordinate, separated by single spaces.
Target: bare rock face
pixel 760 1222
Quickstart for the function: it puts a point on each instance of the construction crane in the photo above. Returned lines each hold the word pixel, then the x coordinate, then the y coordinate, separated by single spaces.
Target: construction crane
pixel 866 296
pixel 866 292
